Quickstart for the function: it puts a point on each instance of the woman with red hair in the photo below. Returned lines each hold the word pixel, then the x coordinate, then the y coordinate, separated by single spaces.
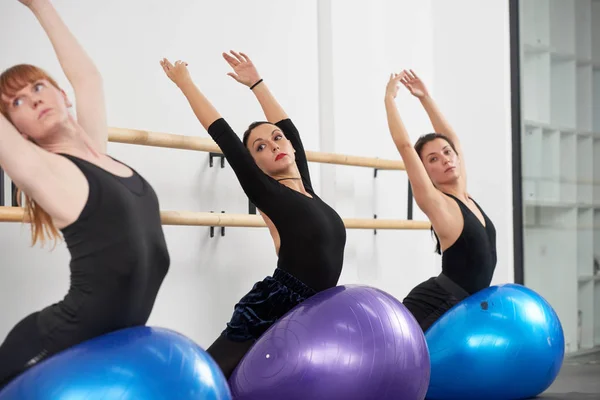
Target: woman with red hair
pixel 107 213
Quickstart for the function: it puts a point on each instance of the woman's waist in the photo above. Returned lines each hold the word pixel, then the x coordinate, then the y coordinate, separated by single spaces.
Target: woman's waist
pixel 317 277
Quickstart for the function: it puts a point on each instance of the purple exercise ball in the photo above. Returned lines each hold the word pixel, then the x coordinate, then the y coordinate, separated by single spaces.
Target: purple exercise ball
pixel 348 342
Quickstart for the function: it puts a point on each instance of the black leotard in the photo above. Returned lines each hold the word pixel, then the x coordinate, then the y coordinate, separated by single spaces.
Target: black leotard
pixel 467 267
pixel 470 262
pixel 312 234
pixel 119 259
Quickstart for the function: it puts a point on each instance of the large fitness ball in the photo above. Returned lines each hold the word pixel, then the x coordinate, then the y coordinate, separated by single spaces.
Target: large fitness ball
pixel 134 363
pixel 348 342
pixel 504 342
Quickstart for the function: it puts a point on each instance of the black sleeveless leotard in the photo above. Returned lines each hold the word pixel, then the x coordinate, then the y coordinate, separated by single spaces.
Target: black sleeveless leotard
pixel 119 260
pixel 468 264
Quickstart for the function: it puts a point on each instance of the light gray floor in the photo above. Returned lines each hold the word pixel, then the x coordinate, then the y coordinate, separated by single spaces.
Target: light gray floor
pixel 579 379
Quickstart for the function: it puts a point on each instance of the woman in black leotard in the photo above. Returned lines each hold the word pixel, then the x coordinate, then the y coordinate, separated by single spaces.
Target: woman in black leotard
pixel 108 214
pixel 465 235
pixel 272 169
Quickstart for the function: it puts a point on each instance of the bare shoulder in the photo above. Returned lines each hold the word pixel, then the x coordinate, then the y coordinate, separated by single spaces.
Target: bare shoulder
pixel 60 188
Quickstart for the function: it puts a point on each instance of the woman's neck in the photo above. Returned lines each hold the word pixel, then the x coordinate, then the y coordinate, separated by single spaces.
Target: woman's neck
pixel 69 138
pixel 291 179
pixel 456 189
pixel 292 182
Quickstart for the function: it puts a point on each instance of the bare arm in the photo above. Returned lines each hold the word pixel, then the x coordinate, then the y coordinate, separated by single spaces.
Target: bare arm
pixel 79 69
pixel 272 109
pixel 428 198
pixel 203 109
pixel 440 125
pixel 246 73
pixel 258 186
pixel 20 158
pixel 49 179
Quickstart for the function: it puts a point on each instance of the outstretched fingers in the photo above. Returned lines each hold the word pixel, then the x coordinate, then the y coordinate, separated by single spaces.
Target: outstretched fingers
pixel 397 77
pixel 235 58
pixel 166 65
pixel 232 61
pixel 239 57
pixel 406 78
pixel 410 76
pixel 246 58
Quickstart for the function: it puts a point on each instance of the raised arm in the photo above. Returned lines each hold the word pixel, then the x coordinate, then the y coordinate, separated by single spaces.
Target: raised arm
pixel 79 69
pixel 255 183
pixel 440 125
pixel 49 179
pixel 203 109
pixel 245 72
pixel 19 157
pixel 426 195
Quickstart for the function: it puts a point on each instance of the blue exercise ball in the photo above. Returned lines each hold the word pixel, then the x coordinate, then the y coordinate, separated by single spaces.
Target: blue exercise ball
pixel 504 342
pixel 135 363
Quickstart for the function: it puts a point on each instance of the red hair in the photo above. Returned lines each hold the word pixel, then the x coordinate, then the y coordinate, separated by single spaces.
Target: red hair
pixel 11 81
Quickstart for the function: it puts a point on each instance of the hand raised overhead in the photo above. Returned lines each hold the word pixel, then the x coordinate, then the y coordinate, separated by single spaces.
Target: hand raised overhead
pixel 244 70
pixel 177 72
pixel 391 90
pixel 414 84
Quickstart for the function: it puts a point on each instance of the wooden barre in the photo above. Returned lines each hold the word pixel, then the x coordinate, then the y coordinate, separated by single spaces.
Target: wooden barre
pixel 168 140
pixel 192 218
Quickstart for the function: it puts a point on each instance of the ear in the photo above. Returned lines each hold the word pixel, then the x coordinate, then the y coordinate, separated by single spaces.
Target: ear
pixel 66 98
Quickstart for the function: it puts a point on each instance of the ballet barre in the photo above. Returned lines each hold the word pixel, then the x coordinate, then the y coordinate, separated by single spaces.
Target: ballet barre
pixel 194 218
pixel 169 140
pixel 174 141
pixel 183 142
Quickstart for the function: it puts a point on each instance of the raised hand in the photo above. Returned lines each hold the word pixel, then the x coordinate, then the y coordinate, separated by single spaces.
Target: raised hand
pixel 244 70
pixel 414 84
pixel 178 73
pixel 392 87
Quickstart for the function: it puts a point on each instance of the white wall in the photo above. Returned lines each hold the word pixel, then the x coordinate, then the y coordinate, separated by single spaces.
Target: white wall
pixel 364 55
pixel 465 63
pixel 328 65
pixel 472 86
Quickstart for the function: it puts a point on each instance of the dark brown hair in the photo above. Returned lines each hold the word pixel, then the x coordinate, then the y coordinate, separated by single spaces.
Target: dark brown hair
pixel 421 142
pixel 249 130
pixel 430 137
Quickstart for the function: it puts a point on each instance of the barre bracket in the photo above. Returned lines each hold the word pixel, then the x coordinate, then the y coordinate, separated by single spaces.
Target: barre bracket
pixel 213 155
pixel 251 207
pixel 212 228
pixel 374 230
